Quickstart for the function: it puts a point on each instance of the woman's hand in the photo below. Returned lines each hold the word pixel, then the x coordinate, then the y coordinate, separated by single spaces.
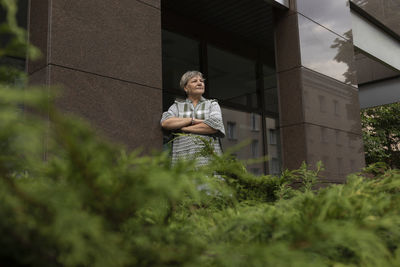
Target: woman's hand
pixel 196 121
pixel 199 128
pixel 188 125
pixel 175 123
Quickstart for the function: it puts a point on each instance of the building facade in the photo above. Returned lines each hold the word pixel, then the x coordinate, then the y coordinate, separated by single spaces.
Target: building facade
pixel 284 72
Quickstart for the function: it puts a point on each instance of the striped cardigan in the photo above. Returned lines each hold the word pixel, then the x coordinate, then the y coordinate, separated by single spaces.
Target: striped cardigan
pixel 190 145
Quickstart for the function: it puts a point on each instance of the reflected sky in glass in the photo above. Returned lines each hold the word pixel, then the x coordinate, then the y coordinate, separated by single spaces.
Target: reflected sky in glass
pixel 332 14
pixel 326 52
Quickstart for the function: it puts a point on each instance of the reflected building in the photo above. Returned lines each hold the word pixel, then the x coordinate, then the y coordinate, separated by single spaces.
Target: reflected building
pixel 246 128
pixel 290 75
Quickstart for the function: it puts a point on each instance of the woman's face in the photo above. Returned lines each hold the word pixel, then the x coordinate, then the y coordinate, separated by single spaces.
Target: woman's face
pixel 195 86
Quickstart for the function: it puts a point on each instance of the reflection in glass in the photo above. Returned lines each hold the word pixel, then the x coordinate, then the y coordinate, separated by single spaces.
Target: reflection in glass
pixel 180 54
pixel 335 144
pixel 332 14
pixel 273 147
pixel 336 109
pixel 231 78
pixel 254 148
pixel 255 122
pixel 322 103
pixel 326 52
pixel 283 2
pixel 353 165
pixel 241 123
pixel 270 90
pixel 324 135
pixel 275 166
pixel 339 166
pixel 231 130
pixel 330 103
pixel 338 139
pixel 273 136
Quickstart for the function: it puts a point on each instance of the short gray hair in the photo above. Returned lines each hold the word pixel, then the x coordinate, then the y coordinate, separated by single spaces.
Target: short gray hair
pixel 189 75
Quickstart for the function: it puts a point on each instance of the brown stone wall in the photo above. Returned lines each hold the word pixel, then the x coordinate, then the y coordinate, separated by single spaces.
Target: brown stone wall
pixel 106 55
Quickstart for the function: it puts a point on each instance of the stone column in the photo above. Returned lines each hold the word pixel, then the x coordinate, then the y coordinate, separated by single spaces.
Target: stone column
pixel 106 55
pixel 319 114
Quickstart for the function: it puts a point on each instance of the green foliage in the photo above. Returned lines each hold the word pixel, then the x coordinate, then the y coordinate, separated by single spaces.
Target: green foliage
pixel 68 198
pixel 92 203
pixel 381 134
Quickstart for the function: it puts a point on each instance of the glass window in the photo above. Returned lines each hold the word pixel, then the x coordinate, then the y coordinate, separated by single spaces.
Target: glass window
pixel 255 120
pixel 254 148
pixel 231 130
pixel 256 171
pixel 179 54
pixel 270 91
pixel 337 137
pixel 353 167
pixel 336 107
pixel 339 165
pixel 322 103
pixel 275 166
pixel 324 135
pixel 273 150
pixel 272 137
pixel 231 78
pixel 242 126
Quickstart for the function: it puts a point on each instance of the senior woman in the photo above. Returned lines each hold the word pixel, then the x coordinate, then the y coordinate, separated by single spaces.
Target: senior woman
pixel 195 116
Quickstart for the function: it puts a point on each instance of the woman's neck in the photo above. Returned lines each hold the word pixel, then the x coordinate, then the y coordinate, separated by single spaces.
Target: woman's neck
pixel 195 99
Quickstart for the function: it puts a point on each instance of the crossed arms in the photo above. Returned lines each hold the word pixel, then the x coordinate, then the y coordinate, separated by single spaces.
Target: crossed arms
pixel 185 124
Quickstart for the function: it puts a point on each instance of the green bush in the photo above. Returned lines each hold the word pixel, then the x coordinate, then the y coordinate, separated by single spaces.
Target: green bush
pixel 68 198
pixel 91 203
pixel 381 134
